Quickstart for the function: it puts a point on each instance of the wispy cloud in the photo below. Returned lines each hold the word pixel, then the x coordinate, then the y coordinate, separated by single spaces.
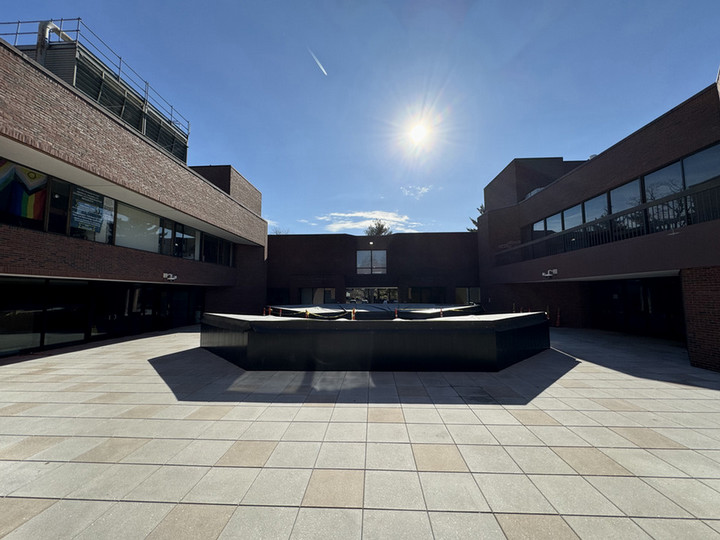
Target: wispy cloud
pixel 359 221
pixel 415 191
pixel 307 222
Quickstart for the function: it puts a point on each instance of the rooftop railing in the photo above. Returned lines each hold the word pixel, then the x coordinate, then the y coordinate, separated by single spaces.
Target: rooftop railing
pixel 24 33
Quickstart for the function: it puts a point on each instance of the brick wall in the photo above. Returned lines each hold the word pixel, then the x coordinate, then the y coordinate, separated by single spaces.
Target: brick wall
pixel 34 253
pixel 43 113
pixel 701 297
pixel 564 302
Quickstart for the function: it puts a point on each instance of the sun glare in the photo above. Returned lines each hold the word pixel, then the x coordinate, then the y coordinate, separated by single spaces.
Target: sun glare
pixel 418 134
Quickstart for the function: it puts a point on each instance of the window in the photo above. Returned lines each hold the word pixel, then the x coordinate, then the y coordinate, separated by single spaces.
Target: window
pixel 59 203
pixel 702 166
pixel 572 217
pixel 165 236
pixel 23 193
pixel 187 242
pixel 596 208
pixel 554 223
pixel 91 215
pixel 664 182
pixel 625 196
pixel 538 229
pixel 136 228
pixel 371 261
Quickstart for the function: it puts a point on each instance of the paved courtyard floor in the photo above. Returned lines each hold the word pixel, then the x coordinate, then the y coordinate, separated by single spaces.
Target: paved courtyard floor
pixel 603 436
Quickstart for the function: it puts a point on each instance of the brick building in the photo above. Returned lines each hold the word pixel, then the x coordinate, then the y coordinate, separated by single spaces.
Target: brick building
pixel 627 240
pixel 105 230
pixel 98 235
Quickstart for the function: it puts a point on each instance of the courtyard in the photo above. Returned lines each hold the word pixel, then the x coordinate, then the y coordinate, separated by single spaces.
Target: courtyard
pixel 602 436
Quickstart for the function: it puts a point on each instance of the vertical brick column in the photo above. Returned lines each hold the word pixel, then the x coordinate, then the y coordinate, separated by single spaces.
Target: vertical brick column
pixel 701 298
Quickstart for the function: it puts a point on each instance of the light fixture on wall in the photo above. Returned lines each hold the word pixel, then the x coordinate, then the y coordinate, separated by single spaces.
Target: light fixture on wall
pixel 169 277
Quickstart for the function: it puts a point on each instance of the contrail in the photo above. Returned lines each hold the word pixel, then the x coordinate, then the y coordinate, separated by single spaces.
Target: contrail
pixel 317 61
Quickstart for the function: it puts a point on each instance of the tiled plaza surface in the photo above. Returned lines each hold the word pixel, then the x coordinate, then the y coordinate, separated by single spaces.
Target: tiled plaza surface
pixel 603 436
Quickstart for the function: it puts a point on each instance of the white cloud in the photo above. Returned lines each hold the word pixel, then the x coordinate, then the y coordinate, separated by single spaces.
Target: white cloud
pixel 337 222
pixel 415 191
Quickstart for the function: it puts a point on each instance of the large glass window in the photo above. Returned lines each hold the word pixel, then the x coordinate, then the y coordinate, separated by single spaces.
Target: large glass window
pixel 59 204
pixel 165 236
pixel 572 217
pixel 538 229
pixel 625 196
pixel 553 224
pixel 136 228
pixel 372 261
pixel 702 166
pixel 666 181
pixel 23 193
pixel 91 215
pixel 187 242
pixel 596 208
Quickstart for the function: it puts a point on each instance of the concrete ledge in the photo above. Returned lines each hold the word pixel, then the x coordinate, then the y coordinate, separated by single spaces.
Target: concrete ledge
pixel 466 343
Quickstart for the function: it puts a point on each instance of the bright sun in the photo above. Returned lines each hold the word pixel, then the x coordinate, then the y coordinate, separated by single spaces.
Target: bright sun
pixel 418 134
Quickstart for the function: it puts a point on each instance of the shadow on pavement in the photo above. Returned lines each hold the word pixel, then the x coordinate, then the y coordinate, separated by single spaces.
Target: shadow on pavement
pixel 199 375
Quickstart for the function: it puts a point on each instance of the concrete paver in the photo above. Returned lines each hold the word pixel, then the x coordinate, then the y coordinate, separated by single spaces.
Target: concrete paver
pixel 603 436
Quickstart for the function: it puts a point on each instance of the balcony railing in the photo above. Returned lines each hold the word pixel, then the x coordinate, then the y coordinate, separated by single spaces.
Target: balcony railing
pixel 696 205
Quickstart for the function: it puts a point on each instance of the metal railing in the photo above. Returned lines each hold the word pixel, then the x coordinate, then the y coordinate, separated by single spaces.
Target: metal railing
pixel 695 205
pixel 24 33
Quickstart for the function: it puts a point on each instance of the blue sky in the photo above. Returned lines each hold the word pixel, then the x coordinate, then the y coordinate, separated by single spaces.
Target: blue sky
pixel 328 142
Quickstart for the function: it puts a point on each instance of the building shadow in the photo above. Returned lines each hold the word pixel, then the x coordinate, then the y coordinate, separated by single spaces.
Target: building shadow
pixel 639 356
pixel 199 375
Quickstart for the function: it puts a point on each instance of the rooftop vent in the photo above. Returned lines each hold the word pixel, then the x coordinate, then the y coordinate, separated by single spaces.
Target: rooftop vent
pixel 73 52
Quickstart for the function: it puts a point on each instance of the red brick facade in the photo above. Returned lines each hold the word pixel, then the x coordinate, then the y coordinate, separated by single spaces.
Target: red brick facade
pixel 701 293
pixel 39 111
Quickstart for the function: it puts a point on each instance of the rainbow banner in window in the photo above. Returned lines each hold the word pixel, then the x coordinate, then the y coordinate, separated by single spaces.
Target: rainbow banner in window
pixel 23 191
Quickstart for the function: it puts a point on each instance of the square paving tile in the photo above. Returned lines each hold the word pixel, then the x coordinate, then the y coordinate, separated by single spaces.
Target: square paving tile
pixel 523 526
pixel 691 494
pixel 385 414
pixel 481 458
pixel 339 455
pixel 126 520
pixel 278 487
pixel 602 528
pixel 294 454
pixel 456 492
pixel 512 493
pixel 335 488
pixel 192 521
pixel 590 461
pixel 167 484
pixel 636 498
pixel 574 495
pixel 428 433
pixel 390 456
pixel 327 523
pixel 222 485
pixel 393 490
pixel 247 454
pixel 64 519
pixel 672 529
pixel 382 432
pixel 382 524
pixel 465 526
pixel 438 457
pixel 538 460
pixel 260 522
pixel 15 512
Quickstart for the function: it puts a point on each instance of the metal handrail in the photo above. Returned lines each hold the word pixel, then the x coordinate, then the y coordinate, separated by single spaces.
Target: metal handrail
pixel 103 52
pixel 694 205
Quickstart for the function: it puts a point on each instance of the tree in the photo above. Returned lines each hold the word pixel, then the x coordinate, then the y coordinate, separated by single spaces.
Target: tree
pixel 378 229
pixel 279 230
pixel 481 211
